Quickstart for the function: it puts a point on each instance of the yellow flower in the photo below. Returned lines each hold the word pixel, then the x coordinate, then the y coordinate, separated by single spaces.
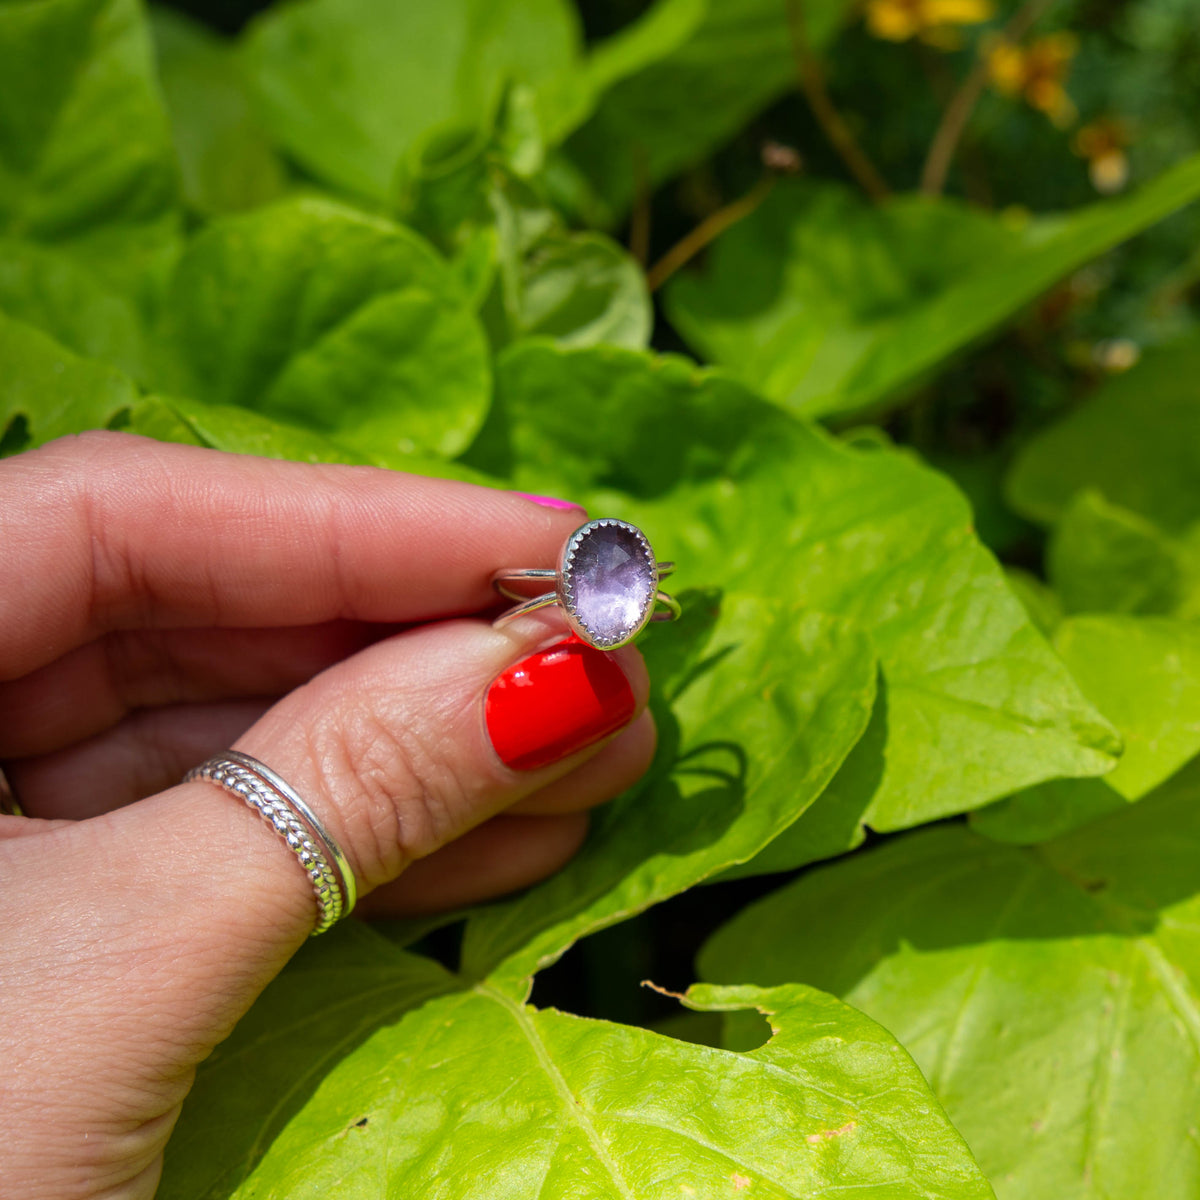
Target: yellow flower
pixel 1103 144
pixel 1037 72
pixel 899 20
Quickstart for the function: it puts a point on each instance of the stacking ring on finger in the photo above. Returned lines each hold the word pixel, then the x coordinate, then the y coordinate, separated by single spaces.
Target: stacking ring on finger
pixel 606 584
pixel 278 804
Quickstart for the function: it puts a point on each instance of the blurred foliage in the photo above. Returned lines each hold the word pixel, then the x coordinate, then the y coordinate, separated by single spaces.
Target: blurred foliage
pixel 882 320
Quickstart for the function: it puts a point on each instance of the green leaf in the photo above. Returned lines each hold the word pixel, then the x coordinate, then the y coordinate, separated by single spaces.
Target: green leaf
pixel 758 722
pixel 50 289
pixel 419 1084
pixel 51 390
pixel 1104 558
pixel 400 71
pixel 1041 602
pixel 322 318
pixel 1144 675
pixel 1049 994
pixel 664 28
pixel 1137 441
pixel 241 431
pixel 226 161
pixel 695 93
pixel 83 138
pixel 238 431
pixel 975 705
pixel 336 993
pixel 830 306
pixel 582 290
pixel 85 150
pixel 512 249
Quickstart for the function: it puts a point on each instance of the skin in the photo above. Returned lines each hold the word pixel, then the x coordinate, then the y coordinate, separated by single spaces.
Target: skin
pixel 162 603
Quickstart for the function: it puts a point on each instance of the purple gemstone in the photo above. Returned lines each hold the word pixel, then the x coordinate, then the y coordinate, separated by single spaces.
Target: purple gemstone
pixel 609 577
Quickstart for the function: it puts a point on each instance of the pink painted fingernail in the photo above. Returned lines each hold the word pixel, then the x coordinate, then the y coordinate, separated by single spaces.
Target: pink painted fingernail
pixel 550 501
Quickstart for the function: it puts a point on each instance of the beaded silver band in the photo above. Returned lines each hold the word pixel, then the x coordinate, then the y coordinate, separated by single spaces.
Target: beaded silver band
pixel 279 805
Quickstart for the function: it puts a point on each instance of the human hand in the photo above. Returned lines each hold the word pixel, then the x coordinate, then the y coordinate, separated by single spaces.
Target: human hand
pixel 162 603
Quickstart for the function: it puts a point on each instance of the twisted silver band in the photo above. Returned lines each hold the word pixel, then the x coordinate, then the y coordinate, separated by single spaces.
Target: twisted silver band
pixel 279 805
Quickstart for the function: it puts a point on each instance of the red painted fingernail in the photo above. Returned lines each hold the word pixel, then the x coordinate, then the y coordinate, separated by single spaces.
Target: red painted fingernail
pixel 549 501
pixel 556 702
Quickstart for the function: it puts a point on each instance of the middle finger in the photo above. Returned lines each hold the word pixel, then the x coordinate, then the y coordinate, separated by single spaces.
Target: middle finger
pixel 92 688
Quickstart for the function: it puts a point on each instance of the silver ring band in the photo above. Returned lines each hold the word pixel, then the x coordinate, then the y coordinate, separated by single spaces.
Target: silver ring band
pixel 307 838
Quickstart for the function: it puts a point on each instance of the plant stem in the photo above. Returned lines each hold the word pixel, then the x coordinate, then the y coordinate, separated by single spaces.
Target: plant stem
pixel 962 104
pixel 639 218
pixel 707 231
pixel 812 82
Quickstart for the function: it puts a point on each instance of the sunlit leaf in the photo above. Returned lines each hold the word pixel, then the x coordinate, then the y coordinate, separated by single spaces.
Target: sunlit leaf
pixel 1144 675
pixel 52 391
pixel 831 306
pixel 1137 442
pixel 85 152
pixel 348 87
pixel 418 1083
pixel 692 98
pixel 322 318
pixel 1103 558
pixel 973 705
pixel 1048 994
pixel 226 161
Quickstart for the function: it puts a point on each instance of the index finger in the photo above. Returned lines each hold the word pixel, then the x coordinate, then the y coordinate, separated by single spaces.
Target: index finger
pixel 111 531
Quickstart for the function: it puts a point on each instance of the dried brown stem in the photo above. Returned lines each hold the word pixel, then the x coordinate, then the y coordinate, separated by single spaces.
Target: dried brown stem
pixel 707 231
pixel 812 82
pixel 962 104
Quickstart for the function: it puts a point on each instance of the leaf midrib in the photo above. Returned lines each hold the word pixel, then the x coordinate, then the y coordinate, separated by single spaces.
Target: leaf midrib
pixel 571 1104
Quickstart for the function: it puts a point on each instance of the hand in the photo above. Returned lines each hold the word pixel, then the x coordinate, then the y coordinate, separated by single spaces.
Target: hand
pixel 162 603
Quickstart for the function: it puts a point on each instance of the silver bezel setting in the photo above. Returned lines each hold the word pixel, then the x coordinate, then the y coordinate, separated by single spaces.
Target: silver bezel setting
pixel 566 589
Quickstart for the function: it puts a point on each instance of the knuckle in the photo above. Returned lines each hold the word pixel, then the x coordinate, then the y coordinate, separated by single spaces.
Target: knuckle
pixel 406 790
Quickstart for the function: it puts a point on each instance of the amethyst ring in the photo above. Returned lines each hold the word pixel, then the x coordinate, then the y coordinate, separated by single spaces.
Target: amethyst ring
pixel 606 584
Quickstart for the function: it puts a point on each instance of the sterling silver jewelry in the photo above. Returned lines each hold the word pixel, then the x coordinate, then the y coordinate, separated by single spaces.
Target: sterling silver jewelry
pixel 606 584
pixel 278 804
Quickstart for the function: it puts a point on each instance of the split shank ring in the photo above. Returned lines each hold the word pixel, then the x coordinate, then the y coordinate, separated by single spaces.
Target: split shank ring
pixel 606 584
pixel 278 804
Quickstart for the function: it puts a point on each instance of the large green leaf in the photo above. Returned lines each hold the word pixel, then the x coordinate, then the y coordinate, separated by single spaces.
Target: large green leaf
pixel 514 253
pixel 762 712
pixel 1104 558
pixel 1144 675
pixel 582 289
pixel 243 431
pixel 709 78
pixel 831 306
pixel 349 86
pixel 1137 442
pixel 88 187
pixel 661 30
pixel 329 320
pixel 1050 995
pixel 83 137
pixel 226 162
pixel 85 150
pixel 747 499
pixel 414 1083
pixel 49 288
pixel 50 390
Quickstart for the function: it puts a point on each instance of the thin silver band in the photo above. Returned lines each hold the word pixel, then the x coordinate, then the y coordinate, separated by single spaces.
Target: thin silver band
pixel 278 804
pixel 528 605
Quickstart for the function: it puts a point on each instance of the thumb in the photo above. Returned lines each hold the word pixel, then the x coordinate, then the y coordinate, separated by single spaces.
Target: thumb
pixel 178 910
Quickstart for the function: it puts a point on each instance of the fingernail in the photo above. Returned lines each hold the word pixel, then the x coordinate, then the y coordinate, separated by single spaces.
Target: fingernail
pixel 549 501
pixel 554 703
